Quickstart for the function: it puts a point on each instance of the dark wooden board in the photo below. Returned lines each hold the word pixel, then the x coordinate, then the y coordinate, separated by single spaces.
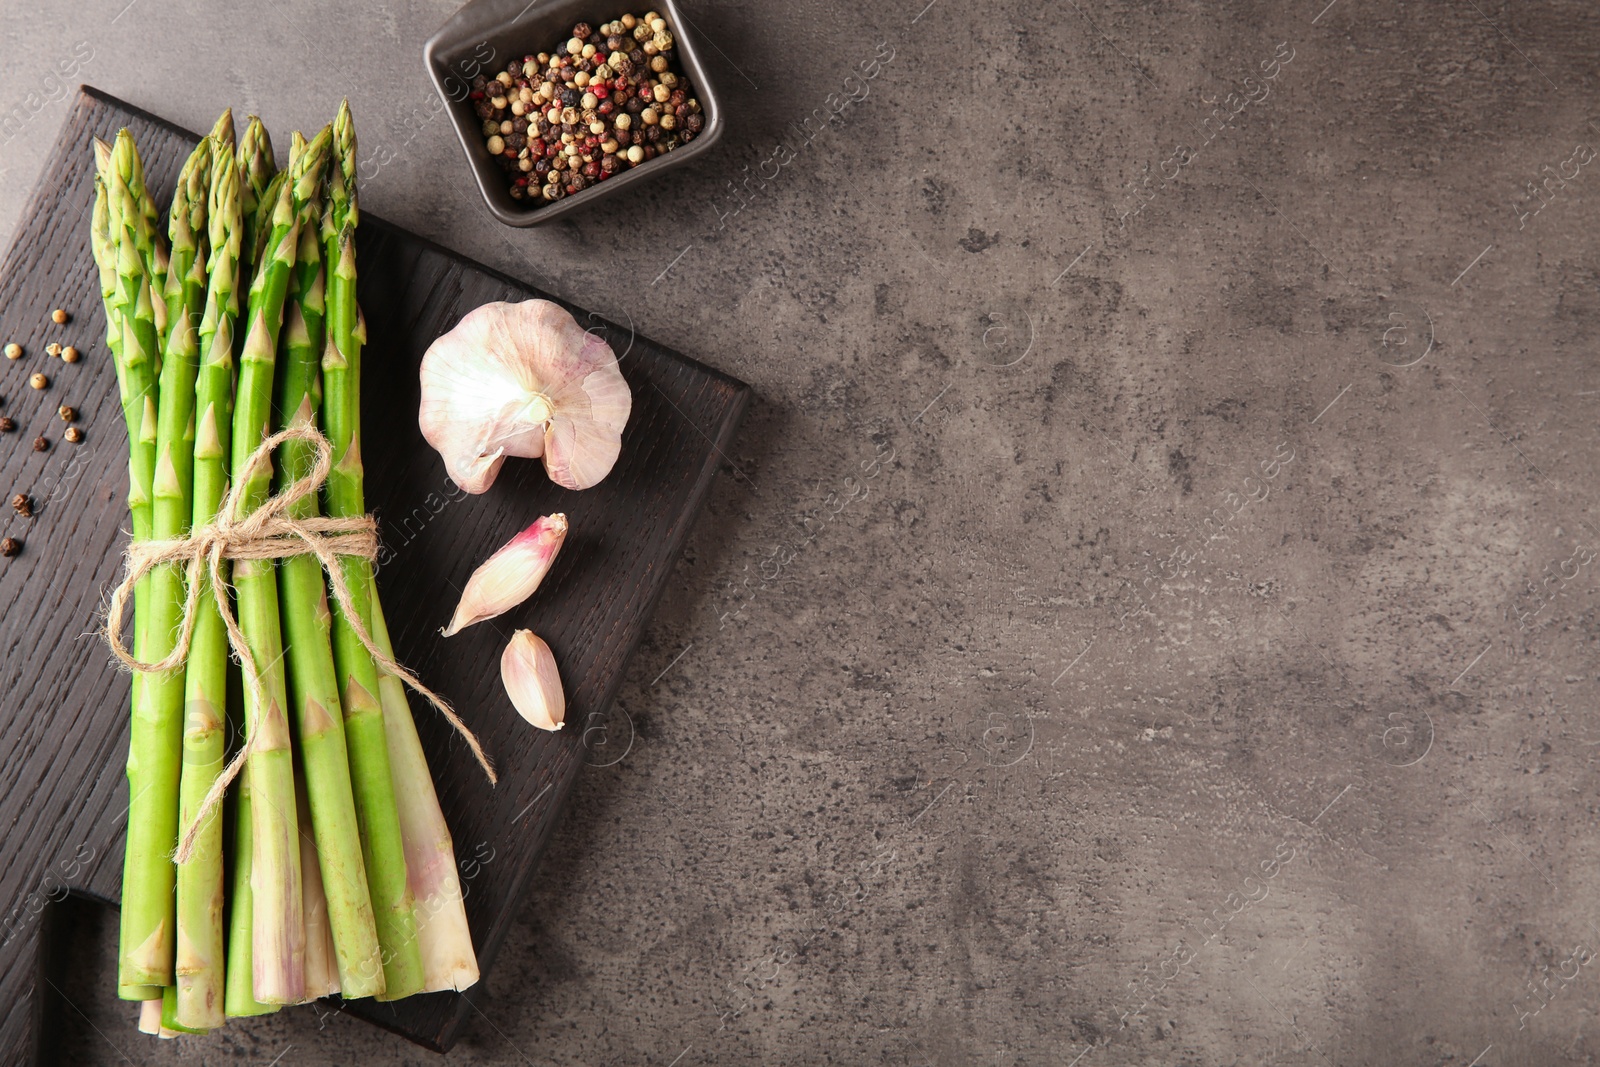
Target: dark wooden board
pixel 63 708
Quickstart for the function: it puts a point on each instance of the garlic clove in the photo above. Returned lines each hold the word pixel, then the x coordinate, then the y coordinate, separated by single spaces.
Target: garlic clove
pixel 511 575
pixel 529 673
pixel 523 380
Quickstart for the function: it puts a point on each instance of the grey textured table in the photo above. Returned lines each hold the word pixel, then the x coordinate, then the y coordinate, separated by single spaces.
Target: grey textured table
pixel 1149 613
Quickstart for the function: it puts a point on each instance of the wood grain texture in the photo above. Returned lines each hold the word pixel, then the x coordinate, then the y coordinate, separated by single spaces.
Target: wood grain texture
pixel 63 715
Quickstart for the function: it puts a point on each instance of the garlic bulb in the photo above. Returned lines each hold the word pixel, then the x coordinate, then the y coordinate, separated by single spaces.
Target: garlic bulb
pixel 528 671
pixel 523 380
pixel 510 576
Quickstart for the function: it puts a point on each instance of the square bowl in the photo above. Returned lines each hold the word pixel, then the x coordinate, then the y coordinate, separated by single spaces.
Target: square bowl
pixel 481 36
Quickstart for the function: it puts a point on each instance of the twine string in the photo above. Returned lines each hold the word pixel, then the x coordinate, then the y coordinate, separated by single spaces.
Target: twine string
pixel 266 532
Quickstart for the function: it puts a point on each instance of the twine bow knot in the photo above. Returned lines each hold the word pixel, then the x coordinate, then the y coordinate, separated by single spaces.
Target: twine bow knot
pixel 269 531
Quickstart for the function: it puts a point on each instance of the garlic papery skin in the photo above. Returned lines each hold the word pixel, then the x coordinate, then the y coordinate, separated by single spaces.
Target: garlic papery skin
pixel 511 575
pixel 528 671
pixel 523 380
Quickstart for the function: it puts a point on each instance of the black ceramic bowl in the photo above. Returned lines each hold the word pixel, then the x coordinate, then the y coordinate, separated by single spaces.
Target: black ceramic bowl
pixel 487 34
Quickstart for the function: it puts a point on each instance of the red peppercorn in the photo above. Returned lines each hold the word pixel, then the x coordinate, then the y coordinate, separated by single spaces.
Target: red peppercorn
pixel 600 91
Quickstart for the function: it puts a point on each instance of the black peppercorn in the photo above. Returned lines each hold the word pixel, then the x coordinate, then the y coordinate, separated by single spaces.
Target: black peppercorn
pixel 10 547
pixel 542 167
pixel 483 109
pixel 637 55
pixel 634 105
pixel 623 67
pixel 623 137
pixel 652 134
pixel 6 425
pixel 519 125
pixel 571 97
pixel 582 31
pixel 41 445
pixel 518 192
pixel 694 123
pixel 614 43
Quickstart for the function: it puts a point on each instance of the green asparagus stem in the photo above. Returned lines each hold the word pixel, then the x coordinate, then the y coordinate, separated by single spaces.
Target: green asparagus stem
pixel 171 488
pixel 313 683
pixel 392 902
pixel 448 959
pixel 239 998
pixel 200 880
pixel 105 255
pixel 146 953
pixel 278 950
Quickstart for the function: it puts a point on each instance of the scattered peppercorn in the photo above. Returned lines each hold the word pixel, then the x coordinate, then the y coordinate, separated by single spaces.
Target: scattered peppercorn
pixel 52 349
pixel 10 547
pixel 74 435
pixel 41 445
pixel 69 355
pixel 58 316
pixel 558 122
pixel 13 351
pixel 67 414
pixel 22 505
pixel 38 381
pixel 6 424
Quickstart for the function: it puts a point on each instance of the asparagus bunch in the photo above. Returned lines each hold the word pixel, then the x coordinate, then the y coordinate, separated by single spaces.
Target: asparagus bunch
pixel 343 873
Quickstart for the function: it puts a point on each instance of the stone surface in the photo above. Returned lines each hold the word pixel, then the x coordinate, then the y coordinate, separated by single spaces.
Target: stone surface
pixel 1116 638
